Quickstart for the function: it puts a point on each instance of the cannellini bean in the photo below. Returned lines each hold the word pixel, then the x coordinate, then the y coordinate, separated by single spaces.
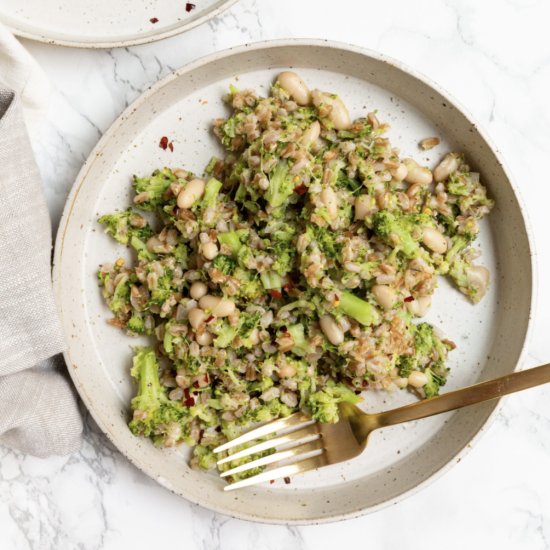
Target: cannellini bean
pixel 220 307
pixel 196 317
pixel 416 173
pixel 311 134
pixel 399 173
pixel 478 277
pixel 338 115
pixel 198 290
pixel 364 205
pixel 330 200
pixel 191 193
pixel 204 338
pixel 385 295
pixel 331 330
pixel 417 379
pixel 295 86
pixel 434 240
pixel 209 250
pixel 420 306
pixel 449 164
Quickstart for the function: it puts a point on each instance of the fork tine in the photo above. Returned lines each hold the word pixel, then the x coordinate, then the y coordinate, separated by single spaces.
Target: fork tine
pixel 266 429
pixel 296 435
pixel 284 471
pixel 305 448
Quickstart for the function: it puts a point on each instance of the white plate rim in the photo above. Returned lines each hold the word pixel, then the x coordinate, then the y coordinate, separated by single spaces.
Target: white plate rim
pixel 68 43
pixel 497 404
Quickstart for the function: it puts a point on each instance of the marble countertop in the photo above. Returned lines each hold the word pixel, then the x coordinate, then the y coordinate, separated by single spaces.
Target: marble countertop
pixel 494 57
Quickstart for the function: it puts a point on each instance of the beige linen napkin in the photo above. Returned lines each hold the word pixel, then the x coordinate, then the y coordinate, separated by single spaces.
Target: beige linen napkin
pixel 38 409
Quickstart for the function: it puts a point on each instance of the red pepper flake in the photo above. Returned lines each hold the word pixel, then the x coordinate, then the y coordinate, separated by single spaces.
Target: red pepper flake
pixel 154 20
pixel 409 299
pixel 300 189
pixel 287 480
pixel 206 379
pixel 163 144
pixel 271 481
pixel 189 400
pixel 171 146
pixel 275 294
pixel 196 384
pixel 209 319
pixel 189 7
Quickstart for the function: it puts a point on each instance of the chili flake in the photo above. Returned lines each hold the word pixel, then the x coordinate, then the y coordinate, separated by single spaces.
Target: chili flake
pixel 189 7
pixel 154 20
pixel 163 144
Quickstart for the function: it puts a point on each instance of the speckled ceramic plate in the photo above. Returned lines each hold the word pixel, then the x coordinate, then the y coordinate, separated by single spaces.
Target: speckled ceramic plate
pixel 105 23
pixel 490 336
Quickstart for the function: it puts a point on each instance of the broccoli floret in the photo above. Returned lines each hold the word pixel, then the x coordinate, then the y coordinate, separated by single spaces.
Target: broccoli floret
pixel 435 381
pixel 123 226
pixel 281 185
pixel 156 411
pixel 406 364
pixel 424 340
pixel 233 239
pixel 285 254
pixel 143 253
pixel 326 240
pixel 324 403
pixel 361 311
pixel 458 244
pixel 250 286
pixel 396 231
pixel 225 264
pixel 163 289
pixel 121 296
pixel 136 323
pixel 204 457
pixel 154 186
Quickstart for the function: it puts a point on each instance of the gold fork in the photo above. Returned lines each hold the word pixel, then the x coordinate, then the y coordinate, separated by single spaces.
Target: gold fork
pixel 307 445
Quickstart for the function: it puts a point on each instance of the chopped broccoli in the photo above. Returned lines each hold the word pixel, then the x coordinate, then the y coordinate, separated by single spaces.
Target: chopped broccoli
pixel 136 323
pixel 281 185
pixel 154 186
pixel 424 339
pixel 155 409
pixel 301 344
pixel 360 310
pixel 225 264
pixel 397 231
pixel 285 254
pixel 435 381
pixel 324 403
pixel 271 280
pixel 326 240
pixel 211 192
pixel 122 226
pixel 121 296
pixel 233 239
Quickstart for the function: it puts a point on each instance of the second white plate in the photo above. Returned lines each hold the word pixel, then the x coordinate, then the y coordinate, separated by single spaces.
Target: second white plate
pixel 105 23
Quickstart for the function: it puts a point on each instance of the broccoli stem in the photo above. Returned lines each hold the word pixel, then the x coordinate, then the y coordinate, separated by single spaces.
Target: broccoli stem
pixel 271 280
pixel 145 369
pixel 361 311
pixel 231 240
pixel 280 185
pixel 211 191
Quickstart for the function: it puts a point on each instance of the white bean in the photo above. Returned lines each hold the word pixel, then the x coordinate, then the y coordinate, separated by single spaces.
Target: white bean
pixel 204 338
pixel 385 295
pixel 191 193
pixel 311 134
pixel 331 330
pixel 420 306
pixel 338 115
pixel 416 173
pixel 449 164
pixel 295 86
pixel 209 250
pixel 198 290
pixel 196 317
pixel 330 200
pixel 364 205
pixel 417 379
pixel 478 277
pixel 220 307
pixel 434 240
pixel 399 173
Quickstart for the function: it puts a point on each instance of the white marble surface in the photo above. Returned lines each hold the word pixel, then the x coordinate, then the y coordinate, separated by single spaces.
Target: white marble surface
pixel 494 56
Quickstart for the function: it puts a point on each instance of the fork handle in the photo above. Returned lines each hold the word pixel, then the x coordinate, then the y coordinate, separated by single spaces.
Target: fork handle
pixel 485 391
